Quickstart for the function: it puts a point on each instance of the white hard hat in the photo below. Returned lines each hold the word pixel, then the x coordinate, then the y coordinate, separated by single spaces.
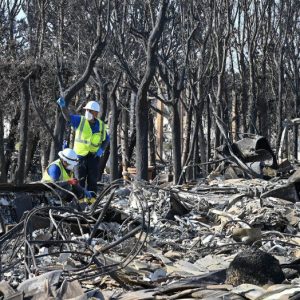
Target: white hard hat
pixel 93 105
pixel 69 156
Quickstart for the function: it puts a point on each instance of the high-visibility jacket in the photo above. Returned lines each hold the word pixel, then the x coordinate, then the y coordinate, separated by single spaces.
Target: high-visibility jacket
pixel 64 176
pixel 85 140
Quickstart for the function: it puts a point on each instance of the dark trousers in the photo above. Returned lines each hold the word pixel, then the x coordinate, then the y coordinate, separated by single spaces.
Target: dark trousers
pixel 87 171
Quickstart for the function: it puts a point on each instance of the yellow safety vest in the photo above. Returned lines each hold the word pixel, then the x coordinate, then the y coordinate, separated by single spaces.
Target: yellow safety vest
pixel 85 140
pixel 64 176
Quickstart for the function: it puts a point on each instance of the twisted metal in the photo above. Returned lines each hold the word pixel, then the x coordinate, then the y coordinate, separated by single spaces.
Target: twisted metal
pixel 73 235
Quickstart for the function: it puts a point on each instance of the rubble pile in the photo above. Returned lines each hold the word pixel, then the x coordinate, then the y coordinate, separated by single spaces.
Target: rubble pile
pixel 146 241
pixel 69 246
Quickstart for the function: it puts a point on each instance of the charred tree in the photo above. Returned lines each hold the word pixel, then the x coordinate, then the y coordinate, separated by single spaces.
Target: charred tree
pixel 103 93
pixel 223 20
pixel 152 145
pixel 2 156
pixel 19 175
pixel 114 160
pixel 284 14
pixel 142 105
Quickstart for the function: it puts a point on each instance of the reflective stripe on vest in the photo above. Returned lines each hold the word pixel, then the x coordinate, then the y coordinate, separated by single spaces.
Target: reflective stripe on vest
pixel 64 176
pixel 85 140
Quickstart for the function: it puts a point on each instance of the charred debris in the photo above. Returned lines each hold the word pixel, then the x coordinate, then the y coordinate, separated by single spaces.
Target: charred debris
pixel 231 235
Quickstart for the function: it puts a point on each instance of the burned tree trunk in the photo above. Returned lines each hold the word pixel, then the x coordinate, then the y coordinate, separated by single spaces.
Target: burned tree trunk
pixel 262 104
pixel 208 150
pixel 124 138
pixel 142 106
pixel 234 116
pixel 31 147
pixel 152 145
pixel 188 131
pixel 114 173
pixel 194 139
pixel 103 92
pixel 202 142
pixel 219 95
pixel 176 142
pixel 222 28
pixel 25 99
pixel 252 109
pixel 159 126
pixel 114 170
pixel 234 108
pixel 279 97
pixel 243 70
pixel 244 93
pixel 11 142
pixel 2 156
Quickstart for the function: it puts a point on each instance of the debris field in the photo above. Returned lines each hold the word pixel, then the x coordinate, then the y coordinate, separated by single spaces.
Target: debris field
pixel 215 239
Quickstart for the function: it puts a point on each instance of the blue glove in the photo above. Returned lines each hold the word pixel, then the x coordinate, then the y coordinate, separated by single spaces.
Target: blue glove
pixel 99 153
pixel 88 194
pixel 61 102
pixel 65 144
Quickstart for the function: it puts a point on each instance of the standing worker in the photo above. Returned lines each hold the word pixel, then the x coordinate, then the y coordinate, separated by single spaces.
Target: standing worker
pixel 91 139
pixel 61 170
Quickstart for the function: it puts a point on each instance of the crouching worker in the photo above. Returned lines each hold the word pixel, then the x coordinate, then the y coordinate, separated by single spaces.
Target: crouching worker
pixel 61 172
